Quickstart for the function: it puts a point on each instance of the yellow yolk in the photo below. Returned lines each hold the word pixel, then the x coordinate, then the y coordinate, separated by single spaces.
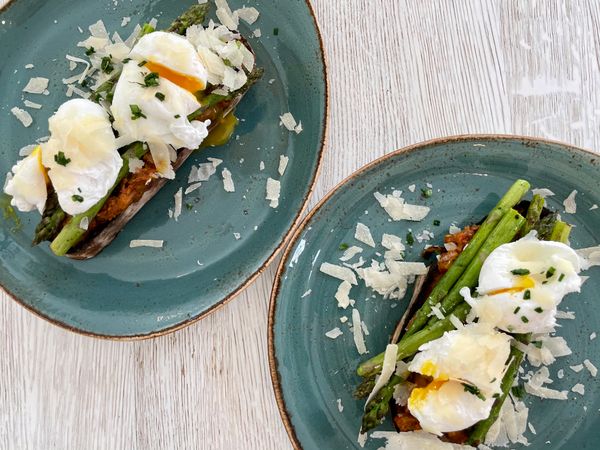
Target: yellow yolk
pixel 186 82
pixel 37 152
pixel 428 368
pixel 419 395
pixel 525 282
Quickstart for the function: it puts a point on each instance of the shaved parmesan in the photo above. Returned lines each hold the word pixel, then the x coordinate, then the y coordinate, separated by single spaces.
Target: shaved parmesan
pixel 342 294
pixel 570 204
pixel 339 405
pixel 590 256
pixel 257 33
pixel 29 66
pixel 578 368
pixel 125 21
pixel 306 294
pixel 84 223
pixel 192 187
pixel 397 209
pixel 570 315
pixel 335 333
pixel 544 392
pixel 26 151
pixel 387 370
pixel 363 234
pixel 23 116
pixel 248 15
pixel 36 85
pixel 273 192
pixel 287 121
pixel 579 389
pixel 593 207
pixel 350 253
pixel 32 104
pixel 359 339
pixel 341 273
pixel 542 192
pixel 178 200
pixel 283 162
pixel 135 164
pixel 414 440
pixel 590 367
pixel 227 181
pixel 146 243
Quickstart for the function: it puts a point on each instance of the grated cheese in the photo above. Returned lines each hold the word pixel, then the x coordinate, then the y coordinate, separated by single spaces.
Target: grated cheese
pixel 570 315
pixel 339 405
pixel 570 204
pixel 36 85
pixel 283 162
pixel 542 192
pixel 135 164
pixel 579 389
pixel 178 201
pixel 23 116
pixel 248 15
pixel 398 210
pixel 227 181
pixel 84 223
pixel 192 187
pixel 273 192
pixel 342 294
pixel 341 273
pixel 359 339
pixel 350 253
pixel 578 368
pixel 414 440
pixel 590 367
pixel 306 294
pixel 593 207
pixel 33 105
pixel 26 151
pixel 363 234
pixel 146 243
pixel 287 121
pixel 334 333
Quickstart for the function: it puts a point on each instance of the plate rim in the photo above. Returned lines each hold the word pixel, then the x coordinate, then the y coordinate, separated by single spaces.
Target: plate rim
pixel 273 362
pixel 289 233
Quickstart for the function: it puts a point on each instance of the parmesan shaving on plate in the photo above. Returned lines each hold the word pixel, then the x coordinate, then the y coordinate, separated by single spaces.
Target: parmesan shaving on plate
pixel 335 333
pixel 579 389
pixel 178 201
pixel 283 162
pixel 248 15
pixel 341 273
pixel 387 369
pixel 398 209
pixel 342 295
pixel 227 181
pixel 593 207
pixel 273 192
pixel 36 85
pixel 415 440
pixel 146 243
pixel 590 367
pixel 542 192
pixel 510 426
pixel 570 204
pixel 23 116
pixel 339 405
pixel 359 339
pixel 135 164
pixel 289 123
pixel 32 104
pixel 590 256
pixel 350 253
pixel 363 234
pixel 192 187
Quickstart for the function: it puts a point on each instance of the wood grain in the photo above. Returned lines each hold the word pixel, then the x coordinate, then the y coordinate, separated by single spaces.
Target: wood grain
pixel 400 72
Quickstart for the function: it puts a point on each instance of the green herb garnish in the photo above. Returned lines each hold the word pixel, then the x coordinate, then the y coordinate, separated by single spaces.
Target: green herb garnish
pixel 61 159
pixel 562 277
pixel 524 319
pixel 436 223
pixel 77 198
pixel 473 390
pixel 142 64
pixel 550 272
pixel 151 79
pixel 343 246
pixel 275 31
pixel 520 272
pixel 539 310
pixel 90 51
pixel 136 112
pixel 517 309
pixel 527 295
pixel 410 239
pixel 426 192
pixel 160 96
pixel 106 65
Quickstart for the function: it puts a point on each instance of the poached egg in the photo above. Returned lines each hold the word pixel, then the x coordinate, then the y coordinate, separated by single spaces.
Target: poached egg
pixel 466 367
pixel 27 183
pixel 522 283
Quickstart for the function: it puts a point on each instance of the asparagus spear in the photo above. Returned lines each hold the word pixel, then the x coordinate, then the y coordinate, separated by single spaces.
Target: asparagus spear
pixel 52 218
pixel 71 232
pixel 510 199
pixel 194 15
pixel 481 428
pixel 505 232
pixel 533 214
pixel 379 405
pixel 560 232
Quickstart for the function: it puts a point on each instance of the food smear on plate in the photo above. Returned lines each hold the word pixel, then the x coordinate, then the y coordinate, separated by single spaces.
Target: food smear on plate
pixel 147 103
pixel 490 296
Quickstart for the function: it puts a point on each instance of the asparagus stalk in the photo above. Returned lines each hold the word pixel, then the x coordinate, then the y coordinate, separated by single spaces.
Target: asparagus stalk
pixel 505 232
pixel 194 15
pixel 53 216
pixel 379 405
pixel 560 232
pixel 510 199
pixel 72 232
pixel 481 428
pixel 533 214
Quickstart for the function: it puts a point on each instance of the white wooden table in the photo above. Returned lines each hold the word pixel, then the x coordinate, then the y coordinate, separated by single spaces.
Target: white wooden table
pixel 400 72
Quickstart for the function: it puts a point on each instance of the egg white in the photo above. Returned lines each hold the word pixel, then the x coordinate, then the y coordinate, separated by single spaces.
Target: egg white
pixel 27 183
pixel 81 130
pixel 165 123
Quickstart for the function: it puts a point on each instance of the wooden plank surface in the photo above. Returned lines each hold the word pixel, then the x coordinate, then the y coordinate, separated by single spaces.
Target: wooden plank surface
pixel 400 72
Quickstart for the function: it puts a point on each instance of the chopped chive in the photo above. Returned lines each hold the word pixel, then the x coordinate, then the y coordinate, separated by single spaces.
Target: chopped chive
pixel 550 272
pixel 177 116
pixel 426 192
pixel 189 205
pixel 473 390
pixel 136 112
pixel 90 51
pixel 126 60
pixel 410 239
pixel 527 295
pixel 524 319
pixel 77 198
pixel 143 63
pixel 538 344
pixel 436 223
pixel 343 246
pixel 510 328
pixel 276 31
pixel 106 64
pixel 517 309
pixel 160 96
pixel 539 310
pixel 61 159
pixel 562 277
pixel 520 272
pixel 151 79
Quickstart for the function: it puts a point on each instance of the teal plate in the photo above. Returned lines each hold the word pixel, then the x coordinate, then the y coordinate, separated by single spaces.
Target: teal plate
pixel 311 372
pixel 136 293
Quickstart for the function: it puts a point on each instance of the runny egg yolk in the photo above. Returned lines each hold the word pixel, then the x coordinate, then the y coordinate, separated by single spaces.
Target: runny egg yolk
pixel 524 282
pixel 37 152
pixel 186 82
pixel 418 395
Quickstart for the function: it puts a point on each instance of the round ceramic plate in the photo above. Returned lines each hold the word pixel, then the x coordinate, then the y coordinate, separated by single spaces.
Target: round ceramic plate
pixel 468 174
pixel 142 292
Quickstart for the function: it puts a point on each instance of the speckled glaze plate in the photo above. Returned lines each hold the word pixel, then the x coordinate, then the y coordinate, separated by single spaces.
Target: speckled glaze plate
pixel 136 293
pixel 469 173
